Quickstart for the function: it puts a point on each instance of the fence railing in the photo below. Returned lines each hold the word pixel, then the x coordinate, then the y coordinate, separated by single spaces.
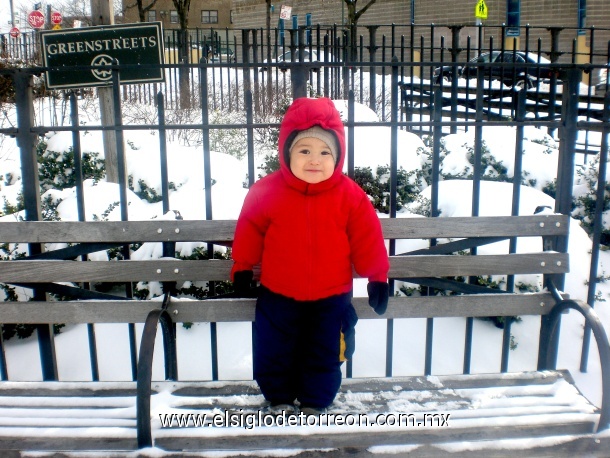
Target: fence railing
pixel 369 45
pixel 342 60
pixel 404 101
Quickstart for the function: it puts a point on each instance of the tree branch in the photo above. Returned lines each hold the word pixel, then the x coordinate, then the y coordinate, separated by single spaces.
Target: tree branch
pixel 147 8
pixel 363 10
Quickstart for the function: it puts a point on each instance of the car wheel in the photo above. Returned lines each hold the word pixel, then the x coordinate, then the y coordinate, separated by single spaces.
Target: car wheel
pixel 524 83
pixel 442 79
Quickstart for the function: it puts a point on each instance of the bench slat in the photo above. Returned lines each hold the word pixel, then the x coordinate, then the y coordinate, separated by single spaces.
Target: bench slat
pixel 528 405
pixel 115 271
pixel 219 270
pixel 500 264
pixel 485 226
pixel 118 231
pixel 231 310
pixel 223 230
pixel 548 425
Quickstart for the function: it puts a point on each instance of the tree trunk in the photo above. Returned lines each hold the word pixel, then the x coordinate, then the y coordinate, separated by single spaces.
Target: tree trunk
pixel 352 22
pixel 182 7
pixel 102 14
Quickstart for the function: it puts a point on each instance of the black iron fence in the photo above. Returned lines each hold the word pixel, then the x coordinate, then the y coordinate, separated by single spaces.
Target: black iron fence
pixel 341 60
pixel 394 88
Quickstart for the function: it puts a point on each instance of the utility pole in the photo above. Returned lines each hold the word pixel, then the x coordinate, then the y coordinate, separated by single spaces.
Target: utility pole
pixel 12 14
pixel 48 17
pixel 102 13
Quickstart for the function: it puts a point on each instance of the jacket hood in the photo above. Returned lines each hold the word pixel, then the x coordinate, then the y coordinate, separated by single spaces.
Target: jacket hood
pixel 303 114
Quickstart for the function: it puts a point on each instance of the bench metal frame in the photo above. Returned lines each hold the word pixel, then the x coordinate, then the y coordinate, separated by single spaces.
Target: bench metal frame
pixel 425 267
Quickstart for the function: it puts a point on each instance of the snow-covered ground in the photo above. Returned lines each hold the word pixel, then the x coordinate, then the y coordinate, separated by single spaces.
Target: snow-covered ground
pixel 372 148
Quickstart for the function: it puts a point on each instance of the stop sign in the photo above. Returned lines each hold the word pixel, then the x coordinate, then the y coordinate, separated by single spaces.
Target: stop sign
pixel 14 32
pixel 56 17
pixel 36 19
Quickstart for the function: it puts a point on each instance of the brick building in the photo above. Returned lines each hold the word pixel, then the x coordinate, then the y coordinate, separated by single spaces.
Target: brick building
pixel 202 14
pixel 554 24
pixel 540 14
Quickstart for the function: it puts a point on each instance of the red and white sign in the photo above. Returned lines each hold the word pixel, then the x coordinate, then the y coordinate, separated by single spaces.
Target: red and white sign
pixel 56 17
pixel 15 32
pixel 285 12
pixel 36 19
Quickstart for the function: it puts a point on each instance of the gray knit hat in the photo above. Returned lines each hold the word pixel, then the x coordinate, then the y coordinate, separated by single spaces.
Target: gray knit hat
pixel 321 134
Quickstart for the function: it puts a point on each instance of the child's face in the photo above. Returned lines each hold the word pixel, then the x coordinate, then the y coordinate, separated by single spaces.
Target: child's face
pixel 311 160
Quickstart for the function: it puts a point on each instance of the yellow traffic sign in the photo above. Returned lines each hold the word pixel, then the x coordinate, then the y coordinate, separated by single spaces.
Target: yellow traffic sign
pixel 56 27
pixel 480 11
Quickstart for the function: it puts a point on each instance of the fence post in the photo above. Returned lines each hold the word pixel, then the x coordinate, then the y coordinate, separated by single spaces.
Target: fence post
pixel 124 204
pixel 245 49
pixel 27 141
pixel 455 51
pixel 372 75
pixel 568 132
pixel 250 137
pixel 80 205
pixel 393 202
pixel 597 229
pixel 298 73
pixel 257 89
pixel 351 116
pixel 554 56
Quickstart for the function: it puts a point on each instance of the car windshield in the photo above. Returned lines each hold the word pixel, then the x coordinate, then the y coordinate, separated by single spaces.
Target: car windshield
pixel 485 57
pixel 287 56
pixel 537 58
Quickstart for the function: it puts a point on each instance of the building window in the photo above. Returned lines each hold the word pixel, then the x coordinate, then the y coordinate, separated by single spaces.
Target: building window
pixel 231 16
pixel 173 17
pixel 152 15
pixel 209 16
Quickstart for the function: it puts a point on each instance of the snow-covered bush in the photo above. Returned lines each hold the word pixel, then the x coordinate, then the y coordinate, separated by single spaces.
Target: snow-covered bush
pixel 585 199
pixel 56 169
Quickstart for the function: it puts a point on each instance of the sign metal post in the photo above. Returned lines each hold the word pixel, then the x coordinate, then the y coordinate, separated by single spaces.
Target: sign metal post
pixel 480 13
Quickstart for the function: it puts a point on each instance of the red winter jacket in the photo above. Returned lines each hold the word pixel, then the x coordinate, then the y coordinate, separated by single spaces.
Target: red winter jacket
pixel 307 236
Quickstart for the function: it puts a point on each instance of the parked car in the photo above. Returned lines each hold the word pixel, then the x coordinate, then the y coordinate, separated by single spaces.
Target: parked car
pixel 223 55
pixel 308 56
pixel 172 54
pixel 602 81
pixel 510 75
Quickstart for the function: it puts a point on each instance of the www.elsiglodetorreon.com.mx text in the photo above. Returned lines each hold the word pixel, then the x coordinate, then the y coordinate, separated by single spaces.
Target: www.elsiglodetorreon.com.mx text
pixel 250 420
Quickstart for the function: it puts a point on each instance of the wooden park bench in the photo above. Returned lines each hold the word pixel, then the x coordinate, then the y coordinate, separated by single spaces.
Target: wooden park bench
pixel 425 415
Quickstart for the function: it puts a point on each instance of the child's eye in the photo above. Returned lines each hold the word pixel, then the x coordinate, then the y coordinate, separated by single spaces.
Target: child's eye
pixel 325 153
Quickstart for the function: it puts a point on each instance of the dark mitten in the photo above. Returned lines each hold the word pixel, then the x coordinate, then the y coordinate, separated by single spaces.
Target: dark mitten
pixel 348 332
pixel 242 282
pixel 378 296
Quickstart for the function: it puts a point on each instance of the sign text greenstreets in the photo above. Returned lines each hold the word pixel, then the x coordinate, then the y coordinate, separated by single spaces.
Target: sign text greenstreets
pixel 137 46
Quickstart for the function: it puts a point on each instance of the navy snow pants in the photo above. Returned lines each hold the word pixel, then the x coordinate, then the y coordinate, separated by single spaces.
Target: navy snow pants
pixel 297 347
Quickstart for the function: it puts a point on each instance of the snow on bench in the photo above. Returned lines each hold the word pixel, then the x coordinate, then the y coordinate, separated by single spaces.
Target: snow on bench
pixel 424 414
pixel 226 416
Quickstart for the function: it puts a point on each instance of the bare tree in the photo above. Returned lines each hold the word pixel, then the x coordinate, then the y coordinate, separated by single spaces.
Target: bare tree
pixel 182 8
pixel 74 10
pixel 143 6
pixel 353 15
pixel 80 10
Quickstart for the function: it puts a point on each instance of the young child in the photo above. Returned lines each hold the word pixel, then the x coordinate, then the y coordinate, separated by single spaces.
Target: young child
pixel 308 226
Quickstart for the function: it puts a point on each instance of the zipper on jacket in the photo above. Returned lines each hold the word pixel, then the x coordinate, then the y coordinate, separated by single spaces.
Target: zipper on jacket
pixel 309 244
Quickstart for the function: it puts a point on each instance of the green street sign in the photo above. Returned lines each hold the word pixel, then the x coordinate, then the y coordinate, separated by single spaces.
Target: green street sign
pixel 138 46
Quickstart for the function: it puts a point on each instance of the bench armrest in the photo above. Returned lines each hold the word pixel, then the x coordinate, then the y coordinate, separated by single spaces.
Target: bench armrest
pixel 603 345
